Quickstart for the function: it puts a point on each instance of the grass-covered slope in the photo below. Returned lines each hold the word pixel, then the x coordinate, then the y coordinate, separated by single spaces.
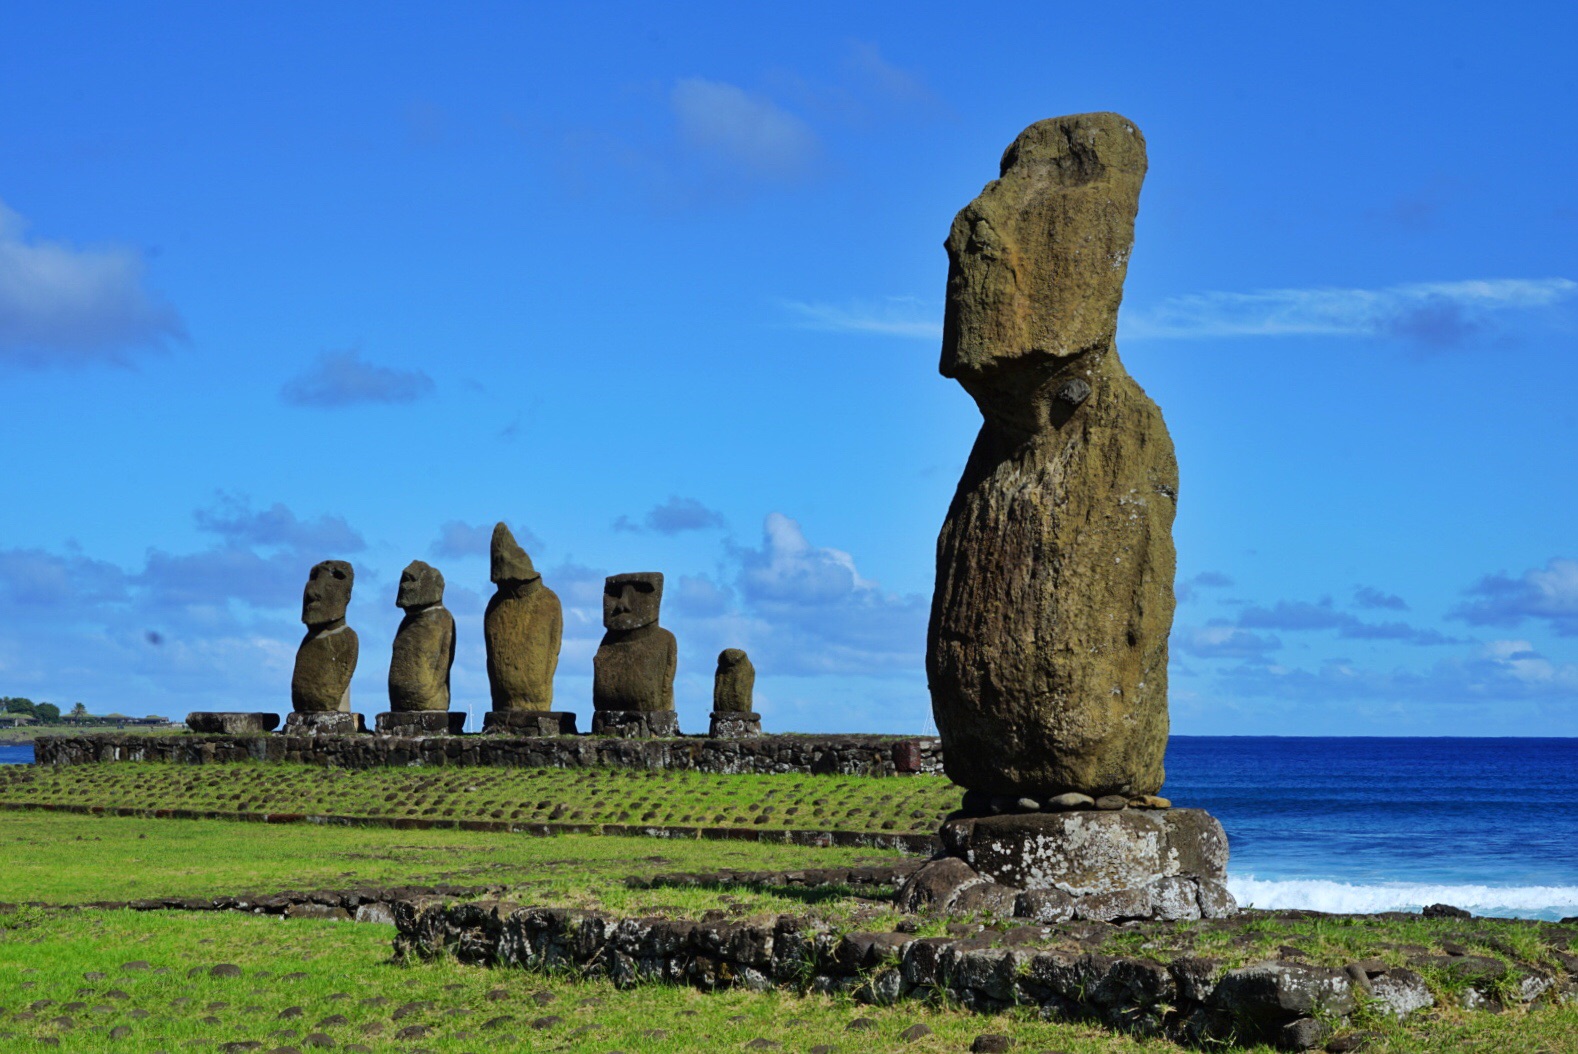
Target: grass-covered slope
pixel 592 796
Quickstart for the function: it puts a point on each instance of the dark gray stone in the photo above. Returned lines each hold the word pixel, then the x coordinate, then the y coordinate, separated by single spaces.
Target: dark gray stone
pixel 420 723
pixel 231 723
pixel 734 724
pixel 636 724
pixel 334 723
pixel 530 722
pixel 935 886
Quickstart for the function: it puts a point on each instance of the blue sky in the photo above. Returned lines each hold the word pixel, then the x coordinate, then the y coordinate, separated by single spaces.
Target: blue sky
pixel 664 291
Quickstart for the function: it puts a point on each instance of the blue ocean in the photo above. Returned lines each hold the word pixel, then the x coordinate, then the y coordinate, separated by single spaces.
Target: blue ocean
pixel 1363 825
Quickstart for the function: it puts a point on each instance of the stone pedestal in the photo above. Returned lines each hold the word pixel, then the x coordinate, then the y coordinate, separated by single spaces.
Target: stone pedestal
pixel 735 724
pixel 636 724
pixel 230 723
pixel 420 723
pixel 532 723
pixel 332 724
pixel 1104 866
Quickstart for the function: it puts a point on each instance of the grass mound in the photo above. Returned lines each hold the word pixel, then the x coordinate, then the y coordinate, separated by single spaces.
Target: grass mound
pixel 591 796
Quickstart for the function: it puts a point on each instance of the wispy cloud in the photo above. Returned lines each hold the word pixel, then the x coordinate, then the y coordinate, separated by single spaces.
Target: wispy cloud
pixel 1548 593
pixel 63 306
pixel 674 516
pixel 1437 314
pixel 894 316
pixel 731 124
pixel 344 378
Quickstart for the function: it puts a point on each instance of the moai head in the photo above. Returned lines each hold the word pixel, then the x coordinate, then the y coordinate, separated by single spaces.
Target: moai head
pixel 510 562
pixel 421 586
pixel 631 601
pixel 1036 264
pixel 328 592
pixel 729 659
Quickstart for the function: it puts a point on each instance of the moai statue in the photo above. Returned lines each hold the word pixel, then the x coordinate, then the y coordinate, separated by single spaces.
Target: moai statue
pixel 633 670
pixel 522 628
pixel 732 686
pixel 424 651
pixel 327 657
pixel 1047 650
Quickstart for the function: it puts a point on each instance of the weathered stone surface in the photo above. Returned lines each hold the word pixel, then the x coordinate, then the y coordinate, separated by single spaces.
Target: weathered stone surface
pixel 1047 648
pixel 424 645
pixel 636 724
pixel 634 665
pixel 530 722
pixel 1400 992
pixel 1269 995
pixel 420 723
pixel 734 724
pixel 1091 851
pixel 321 682
pixel 1044 905
pixel 522 629
pixel 230 722
pixel 734 683
pixel 1215 900
pixel 934 887
pixel 332 724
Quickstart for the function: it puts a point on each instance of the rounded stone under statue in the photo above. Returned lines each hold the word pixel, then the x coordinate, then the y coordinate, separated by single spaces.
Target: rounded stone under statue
pixel 1046 653
pixel 522 629
pixel 733 716
pixel 320 685
pixel 423 653
pixel 633 670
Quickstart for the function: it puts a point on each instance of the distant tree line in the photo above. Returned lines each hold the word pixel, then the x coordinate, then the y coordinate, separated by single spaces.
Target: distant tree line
pixel 43 713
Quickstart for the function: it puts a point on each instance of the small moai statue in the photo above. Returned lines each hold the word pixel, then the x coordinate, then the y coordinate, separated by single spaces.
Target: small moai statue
pixel 321 683
pixel 522 628
pixel 633 670
pixel 424 651
pixel 732 686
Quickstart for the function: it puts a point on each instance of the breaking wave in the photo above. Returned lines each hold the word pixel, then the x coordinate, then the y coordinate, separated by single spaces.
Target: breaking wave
pixel 1318 894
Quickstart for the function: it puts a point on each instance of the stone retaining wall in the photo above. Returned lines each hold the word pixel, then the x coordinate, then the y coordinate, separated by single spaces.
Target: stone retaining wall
pixel 821 755
pixel 1288 1004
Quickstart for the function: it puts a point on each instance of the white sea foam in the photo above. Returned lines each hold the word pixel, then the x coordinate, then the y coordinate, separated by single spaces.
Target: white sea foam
pixel 1318 894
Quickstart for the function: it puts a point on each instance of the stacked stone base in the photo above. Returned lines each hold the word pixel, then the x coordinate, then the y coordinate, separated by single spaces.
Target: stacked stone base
pixel 1101 866
pixel 420 723
pixel 330 724
pixel 530 722
pixel 732 724
pixel 230 723
pixel 636 724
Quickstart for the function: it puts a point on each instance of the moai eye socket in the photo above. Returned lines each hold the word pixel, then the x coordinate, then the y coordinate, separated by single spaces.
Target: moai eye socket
pixel 642 587
pixel 337 573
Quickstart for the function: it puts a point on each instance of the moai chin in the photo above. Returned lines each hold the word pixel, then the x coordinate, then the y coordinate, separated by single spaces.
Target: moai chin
pixel 522 628
pixel 321 682
pixel 424 645
pixel 1047 647
pixel 633 669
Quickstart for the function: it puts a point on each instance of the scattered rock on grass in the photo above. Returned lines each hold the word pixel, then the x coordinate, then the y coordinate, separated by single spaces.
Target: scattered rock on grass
pixel 991 1043
pixel 914 1032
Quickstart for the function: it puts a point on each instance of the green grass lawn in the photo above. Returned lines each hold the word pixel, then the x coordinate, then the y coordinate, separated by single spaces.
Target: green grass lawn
pixel 65 859
pixel 792 802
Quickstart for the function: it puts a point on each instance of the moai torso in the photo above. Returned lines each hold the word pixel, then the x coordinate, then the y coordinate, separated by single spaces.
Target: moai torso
pixel 424 645
pixel 326 660
pixel 634 666
pixel 1047 649
pixel 522 629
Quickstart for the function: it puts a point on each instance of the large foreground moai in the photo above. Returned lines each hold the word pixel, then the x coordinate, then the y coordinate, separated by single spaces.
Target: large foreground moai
pixel 424 645
pixel 522 628
pixel 1047 650
pixel 633 670
pixel 326 660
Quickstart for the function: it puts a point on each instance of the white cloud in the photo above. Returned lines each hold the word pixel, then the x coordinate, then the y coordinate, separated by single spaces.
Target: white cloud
pixel 1431 313
pixel 64 306
pixel 896 316
pixel 752 132
pixel 1549 593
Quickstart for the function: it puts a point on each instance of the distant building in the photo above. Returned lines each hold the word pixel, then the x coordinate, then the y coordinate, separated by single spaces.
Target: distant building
pixel 17 720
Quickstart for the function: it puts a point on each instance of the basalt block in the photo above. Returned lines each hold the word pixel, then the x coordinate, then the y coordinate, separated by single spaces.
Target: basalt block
pixel 230 722
pixel 532 723
pixel 420 723
pixel 735 724
pixel 1047 645
pixel 333 724
pixel 636 724
pixel 1091 852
